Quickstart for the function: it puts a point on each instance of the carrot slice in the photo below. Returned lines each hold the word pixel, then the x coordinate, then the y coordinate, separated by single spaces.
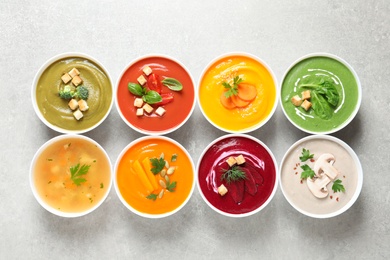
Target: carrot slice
pixel 227 102
pixel 147 166
pixel 239 102
pixel 142 176
pixel 246 92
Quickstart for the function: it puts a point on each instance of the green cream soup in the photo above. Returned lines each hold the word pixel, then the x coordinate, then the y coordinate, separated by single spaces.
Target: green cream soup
pixel 56 110
pixel 327 79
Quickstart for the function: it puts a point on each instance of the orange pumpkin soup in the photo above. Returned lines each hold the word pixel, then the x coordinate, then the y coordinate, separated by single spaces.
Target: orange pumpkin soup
pixel 72 174
pixel 154 176
pixel 239 114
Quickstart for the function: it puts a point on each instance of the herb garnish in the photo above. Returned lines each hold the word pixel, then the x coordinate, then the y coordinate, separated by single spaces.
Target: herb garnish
pixel 232 90
pixel 157 165
pixel 76 172
pixel 337 186
pixel 172 84
pixel 307 172
pixel 306 155
pixel 152 196
pixel 324 97
pixel 233 174
pixel 148 96
pixel 171 186
pixel 101 186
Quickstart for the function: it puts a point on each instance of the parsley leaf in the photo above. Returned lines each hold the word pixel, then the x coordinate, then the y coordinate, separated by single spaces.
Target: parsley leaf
pixel 174 157
pixel 232 90
pixel 307 172
pixel 171 186
pixel 157 165
pixel 233 174
pixel 76 172
pixel 337 186
pixel 305 155
pixel 152 196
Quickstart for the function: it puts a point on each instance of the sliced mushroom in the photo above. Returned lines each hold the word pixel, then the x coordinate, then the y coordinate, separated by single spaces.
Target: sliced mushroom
pixel 324 165
pixel 318 186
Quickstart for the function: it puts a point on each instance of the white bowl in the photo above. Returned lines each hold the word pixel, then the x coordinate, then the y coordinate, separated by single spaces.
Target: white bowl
pixel 298 194
pixel 124 99
pixel 52 125
pixel 255 152
pixel 250 127
pixel 51 208
pixel 147 148
pixel 350 117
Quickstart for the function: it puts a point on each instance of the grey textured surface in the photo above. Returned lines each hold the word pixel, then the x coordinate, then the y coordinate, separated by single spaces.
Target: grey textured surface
pixel 115 32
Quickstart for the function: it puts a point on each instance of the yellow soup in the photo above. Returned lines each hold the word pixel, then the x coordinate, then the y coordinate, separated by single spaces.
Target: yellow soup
pixel 141 189
pixel 64 186
pixel 250 71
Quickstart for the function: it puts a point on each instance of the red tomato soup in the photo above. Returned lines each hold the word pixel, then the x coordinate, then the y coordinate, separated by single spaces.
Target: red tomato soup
pixel 257 159
pixel 176 111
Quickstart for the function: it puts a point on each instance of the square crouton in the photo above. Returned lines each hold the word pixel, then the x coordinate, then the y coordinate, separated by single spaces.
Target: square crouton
pixel 138 102
pixel 306 105
pixel 296 100
pixel 231 161
pixel 141 80
pixel 240 159
pixel 160 111
pixel 148 108
pixel 222 190
pixel 66 78
pixel 74 72
pixel 78 114
pixel 73 104
pixel 147 70
pixel 83 105
pixel 306 94
pixel 140 112
pixel 76 81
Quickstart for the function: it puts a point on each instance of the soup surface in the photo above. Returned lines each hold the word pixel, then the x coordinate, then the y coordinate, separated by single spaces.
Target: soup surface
pixel 56 110
pixel 251 72
pixel 62 185
pixel 146 200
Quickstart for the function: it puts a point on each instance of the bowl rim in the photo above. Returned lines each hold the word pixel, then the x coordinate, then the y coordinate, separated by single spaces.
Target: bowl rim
pixel 265 65
pixel 38 75
pixel 131 63
pixel 274 189
pixel 118 160
pixel 46 206
pixel 354 157
pixel 346 64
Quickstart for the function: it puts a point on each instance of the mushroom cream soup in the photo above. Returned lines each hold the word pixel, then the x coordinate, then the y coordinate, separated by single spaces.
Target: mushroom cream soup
pixel 334 191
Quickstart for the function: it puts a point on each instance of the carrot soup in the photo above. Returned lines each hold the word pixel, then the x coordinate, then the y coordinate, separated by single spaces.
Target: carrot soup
pixel 71 174
pixel 154 176
pixel 237 93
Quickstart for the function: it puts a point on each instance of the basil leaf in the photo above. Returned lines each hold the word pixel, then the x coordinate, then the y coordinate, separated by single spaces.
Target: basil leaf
pixel 152 97
pixel 172 84
pixel 321 106
pixel 135 89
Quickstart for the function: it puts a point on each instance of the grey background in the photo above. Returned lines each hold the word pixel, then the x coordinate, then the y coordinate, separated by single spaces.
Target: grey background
pixel 194 32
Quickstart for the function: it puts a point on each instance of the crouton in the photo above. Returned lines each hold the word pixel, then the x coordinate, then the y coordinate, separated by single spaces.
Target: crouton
pixel 74 72
pixel 148 108
pixel 306 94
pixel 76 81
pixel 240 159
pixel 73 104
pixel 231 161
pixel 160 111
pixel 222 190
pixel 138 102
pixel 83 105
pixel 140 112
pixel 296 100
pixel 147 70
pixel 306 105
pixel 78 114
pixel 141 80
pixel 66 78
